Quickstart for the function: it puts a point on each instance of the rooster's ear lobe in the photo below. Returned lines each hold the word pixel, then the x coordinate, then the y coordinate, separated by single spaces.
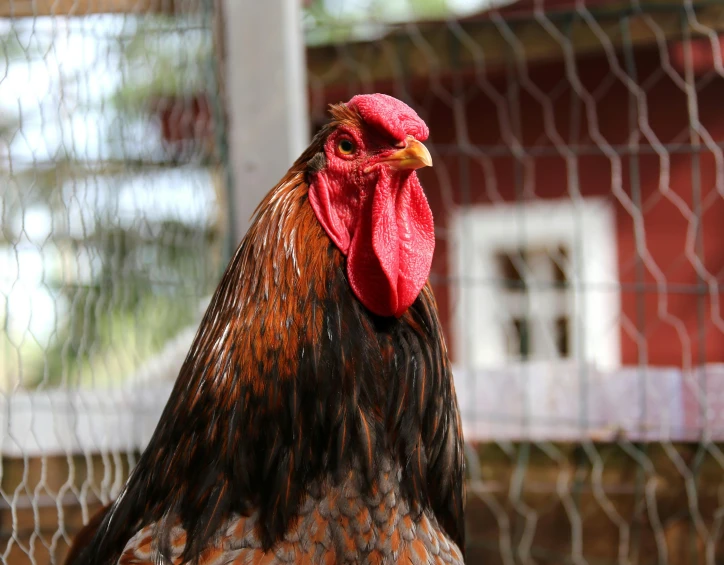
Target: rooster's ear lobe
pixel 322 197
pixel 317 163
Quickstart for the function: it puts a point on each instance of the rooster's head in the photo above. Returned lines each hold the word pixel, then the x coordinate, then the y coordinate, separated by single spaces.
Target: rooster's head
pixel 365 192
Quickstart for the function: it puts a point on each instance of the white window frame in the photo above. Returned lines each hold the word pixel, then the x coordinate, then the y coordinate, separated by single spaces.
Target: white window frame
pixel 585 226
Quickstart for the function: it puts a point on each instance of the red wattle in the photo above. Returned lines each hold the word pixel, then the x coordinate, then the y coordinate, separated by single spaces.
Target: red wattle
pixel 391 251
pixel 367 276
pixel 416 240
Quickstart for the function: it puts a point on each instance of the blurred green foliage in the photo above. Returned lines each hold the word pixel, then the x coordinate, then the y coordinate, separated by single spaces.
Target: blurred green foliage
pixel 121 289
pixel 338 21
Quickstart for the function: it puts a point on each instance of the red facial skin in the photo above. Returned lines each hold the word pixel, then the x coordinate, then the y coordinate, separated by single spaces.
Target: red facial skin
pixel 370 202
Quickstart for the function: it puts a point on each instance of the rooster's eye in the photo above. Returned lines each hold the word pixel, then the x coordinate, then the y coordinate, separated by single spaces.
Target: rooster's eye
pixel 346 147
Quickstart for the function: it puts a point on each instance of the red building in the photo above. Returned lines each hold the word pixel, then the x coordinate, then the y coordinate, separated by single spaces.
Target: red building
pixel 578 185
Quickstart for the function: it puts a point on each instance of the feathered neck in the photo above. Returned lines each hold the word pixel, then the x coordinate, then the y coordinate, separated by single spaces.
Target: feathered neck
pixel 291 380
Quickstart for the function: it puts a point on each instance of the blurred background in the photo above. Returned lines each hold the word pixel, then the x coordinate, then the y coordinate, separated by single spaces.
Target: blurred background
pixel 578 192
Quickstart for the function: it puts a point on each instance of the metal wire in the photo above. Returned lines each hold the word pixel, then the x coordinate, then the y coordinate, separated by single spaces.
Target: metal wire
pixel 112 220
pixel 578 192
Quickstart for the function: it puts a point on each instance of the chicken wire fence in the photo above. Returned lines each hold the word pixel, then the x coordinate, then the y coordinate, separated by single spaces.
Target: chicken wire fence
pixel 578 188
pixel 114 230
pixel 578 192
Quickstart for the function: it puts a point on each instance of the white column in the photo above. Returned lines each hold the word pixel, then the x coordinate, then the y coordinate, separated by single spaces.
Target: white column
pixel 266 89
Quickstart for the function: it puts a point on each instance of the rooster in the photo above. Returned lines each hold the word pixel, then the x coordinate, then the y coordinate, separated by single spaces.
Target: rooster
pixel 314 419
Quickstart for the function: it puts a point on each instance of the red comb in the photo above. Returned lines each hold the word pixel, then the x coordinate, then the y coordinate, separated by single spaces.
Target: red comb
pixel 390 115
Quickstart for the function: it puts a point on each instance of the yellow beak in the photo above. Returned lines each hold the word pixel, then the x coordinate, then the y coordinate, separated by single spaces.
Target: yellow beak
pixel 413 156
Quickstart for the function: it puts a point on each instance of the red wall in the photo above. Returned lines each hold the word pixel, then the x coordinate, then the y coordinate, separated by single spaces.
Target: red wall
pixel 676 326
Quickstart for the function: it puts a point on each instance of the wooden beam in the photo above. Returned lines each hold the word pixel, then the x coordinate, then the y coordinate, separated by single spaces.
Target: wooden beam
pixel 437 48
pixel 36 8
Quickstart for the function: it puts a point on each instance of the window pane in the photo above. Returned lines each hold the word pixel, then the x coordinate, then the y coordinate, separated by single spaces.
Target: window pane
pixel 510 267
pixel 522 331
pixel 563 338
pixel 560 263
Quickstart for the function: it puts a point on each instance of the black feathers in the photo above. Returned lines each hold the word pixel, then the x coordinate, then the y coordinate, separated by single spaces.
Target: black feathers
pixel 262 407
pixel 317 163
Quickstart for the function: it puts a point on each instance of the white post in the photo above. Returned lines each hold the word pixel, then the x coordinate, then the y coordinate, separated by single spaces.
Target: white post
pixel 266 92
